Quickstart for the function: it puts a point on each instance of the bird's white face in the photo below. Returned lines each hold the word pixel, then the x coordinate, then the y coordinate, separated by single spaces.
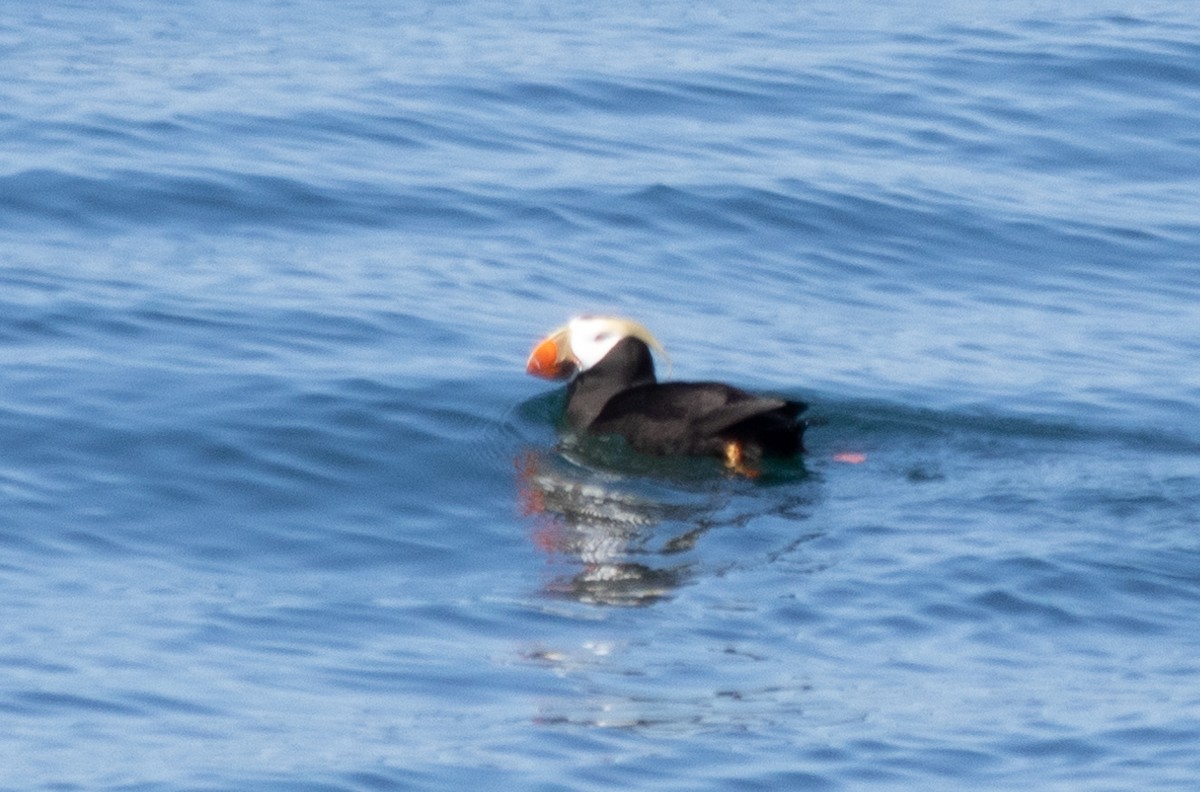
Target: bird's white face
pixel 582 343
pixel 593 337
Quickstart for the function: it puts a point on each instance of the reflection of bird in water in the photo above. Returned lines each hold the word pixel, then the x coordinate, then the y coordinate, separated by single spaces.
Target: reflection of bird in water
pixel 633 535
pixel 613 390
pixel 603 527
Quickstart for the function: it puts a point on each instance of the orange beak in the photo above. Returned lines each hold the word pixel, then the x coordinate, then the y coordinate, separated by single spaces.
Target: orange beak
pixel 552 358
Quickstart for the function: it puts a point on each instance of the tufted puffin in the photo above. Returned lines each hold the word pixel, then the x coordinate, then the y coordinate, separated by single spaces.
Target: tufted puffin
pixel 614 391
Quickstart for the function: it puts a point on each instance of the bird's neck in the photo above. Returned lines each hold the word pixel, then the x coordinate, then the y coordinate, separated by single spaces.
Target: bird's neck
pixel 628 364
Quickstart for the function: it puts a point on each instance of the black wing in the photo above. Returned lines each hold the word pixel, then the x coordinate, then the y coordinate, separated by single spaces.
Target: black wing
pixel 690 417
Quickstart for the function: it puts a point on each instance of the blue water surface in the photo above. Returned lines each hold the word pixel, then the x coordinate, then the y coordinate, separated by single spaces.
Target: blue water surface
pixel 281 511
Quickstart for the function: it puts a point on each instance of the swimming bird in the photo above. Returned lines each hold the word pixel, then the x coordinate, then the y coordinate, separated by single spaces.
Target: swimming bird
pixel 613 390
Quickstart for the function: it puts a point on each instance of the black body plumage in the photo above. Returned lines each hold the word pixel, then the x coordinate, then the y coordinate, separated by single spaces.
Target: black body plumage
pixel 621 395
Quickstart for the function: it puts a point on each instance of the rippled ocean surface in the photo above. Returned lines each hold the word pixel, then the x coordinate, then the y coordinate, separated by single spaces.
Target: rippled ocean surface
pixel 280 510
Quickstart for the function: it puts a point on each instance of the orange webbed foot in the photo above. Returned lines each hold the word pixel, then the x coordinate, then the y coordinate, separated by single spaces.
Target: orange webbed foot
pixel 735 460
